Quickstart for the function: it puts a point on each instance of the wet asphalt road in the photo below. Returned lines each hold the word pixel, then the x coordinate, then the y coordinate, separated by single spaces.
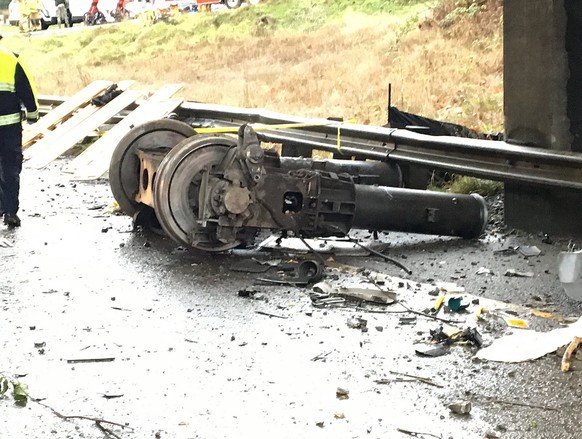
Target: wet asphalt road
pixel 192 359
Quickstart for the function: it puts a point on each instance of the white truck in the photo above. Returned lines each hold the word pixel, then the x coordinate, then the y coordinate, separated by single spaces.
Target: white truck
pixel 48 12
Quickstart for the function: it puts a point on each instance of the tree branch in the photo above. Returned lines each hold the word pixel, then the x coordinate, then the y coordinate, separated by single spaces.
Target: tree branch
pixel 97 421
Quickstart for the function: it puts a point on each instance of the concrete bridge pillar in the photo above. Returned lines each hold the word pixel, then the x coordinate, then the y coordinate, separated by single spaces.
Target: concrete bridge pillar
pixel 543 104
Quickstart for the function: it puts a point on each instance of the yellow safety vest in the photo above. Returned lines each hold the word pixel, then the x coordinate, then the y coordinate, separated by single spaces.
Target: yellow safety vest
pixel 23 8
pixel 8 66
pixel 34 5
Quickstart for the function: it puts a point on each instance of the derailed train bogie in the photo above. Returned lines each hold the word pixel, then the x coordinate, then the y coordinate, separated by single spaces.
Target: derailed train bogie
pixel 214 192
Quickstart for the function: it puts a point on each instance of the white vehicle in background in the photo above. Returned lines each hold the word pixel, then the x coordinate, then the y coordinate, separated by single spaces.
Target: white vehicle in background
pixel 48 12
pixel 13 13
pixel 136 7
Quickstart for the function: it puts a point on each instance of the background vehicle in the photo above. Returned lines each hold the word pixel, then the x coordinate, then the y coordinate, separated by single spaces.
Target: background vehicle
pixel 231 4
pixel 48 13
pixel 158 7
pixel 13 14
pixel 136 7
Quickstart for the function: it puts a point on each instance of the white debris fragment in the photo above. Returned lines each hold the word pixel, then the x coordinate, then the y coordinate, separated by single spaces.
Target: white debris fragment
pixel 483 270
pixel 529 345
pixel 514 273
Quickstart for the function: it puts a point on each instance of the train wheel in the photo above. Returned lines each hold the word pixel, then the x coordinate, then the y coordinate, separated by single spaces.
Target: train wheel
pixel 177 191
pixel 124 166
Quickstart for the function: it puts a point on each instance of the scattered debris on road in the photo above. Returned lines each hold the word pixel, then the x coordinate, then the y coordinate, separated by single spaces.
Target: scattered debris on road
pixel 300 273
pixel 91 360
pixel 342 393
pixel 528 251
pixel 373 295
pixel 432 351
pixel 253 294
pixel 460 407
pixel 514 273
pixel 570 350
pixel 358 323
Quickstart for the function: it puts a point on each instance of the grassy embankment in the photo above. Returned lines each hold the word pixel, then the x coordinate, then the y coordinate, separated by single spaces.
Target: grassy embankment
pixel 306 57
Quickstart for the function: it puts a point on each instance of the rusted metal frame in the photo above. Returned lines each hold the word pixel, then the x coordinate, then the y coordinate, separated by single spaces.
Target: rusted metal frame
pixel 149 161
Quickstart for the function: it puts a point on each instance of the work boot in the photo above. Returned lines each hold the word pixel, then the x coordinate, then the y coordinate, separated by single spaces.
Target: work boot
pixel 11 220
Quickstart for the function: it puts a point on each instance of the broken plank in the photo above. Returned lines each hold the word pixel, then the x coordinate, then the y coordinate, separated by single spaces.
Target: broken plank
pixel 45 152
pixel 53 136
pixel 155 107
pixel 61 112
pixel 139 116
pixel 166 91
pixel 94 161
pixel 63 129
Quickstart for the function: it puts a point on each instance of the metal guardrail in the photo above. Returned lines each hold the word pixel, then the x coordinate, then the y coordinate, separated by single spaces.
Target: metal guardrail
pixel 480 158
pixel 48 102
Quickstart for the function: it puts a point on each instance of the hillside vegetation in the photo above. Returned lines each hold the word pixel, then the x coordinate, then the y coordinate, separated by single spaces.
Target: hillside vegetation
pixel 305 57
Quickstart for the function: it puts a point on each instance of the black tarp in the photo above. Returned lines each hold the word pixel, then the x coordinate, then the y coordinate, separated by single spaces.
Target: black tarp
pixel 424 125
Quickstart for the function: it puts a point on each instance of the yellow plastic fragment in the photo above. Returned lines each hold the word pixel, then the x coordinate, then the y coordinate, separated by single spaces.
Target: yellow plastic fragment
pixel 516 323
pixel 438 303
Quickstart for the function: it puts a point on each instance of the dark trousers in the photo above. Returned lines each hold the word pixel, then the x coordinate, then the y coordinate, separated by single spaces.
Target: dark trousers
pixel 10 167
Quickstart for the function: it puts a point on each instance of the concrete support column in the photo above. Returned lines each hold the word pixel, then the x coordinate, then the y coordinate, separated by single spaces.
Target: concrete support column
pixel 543 104
pixel 574 87
pixel 536 73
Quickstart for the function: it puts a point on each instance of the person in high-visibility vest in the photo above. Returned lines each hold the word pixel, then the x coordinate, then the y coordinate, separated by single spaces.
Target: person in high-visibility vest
pixel 16 92
pixel 35 19
pixel 24 11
